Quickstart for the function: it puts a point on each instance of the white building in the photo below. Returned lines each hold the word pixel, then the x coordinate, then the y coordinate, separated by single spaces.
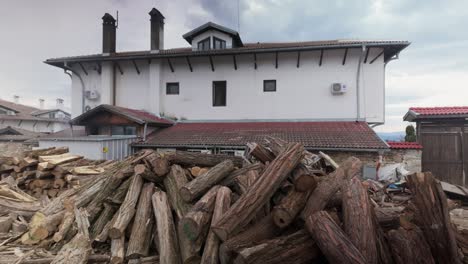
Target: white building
pixel 219 79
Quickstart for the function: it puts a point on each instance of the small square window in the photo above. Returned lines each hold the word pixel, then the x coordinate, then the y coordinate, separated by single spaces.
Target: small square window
pixel 219 43
pixel 172 88
pixel 269 85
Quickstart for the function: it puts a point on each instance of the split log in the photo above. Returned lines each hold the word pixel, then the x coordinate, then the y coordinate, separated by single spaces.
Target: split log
pixel 358 219
pixel 389 217
pixel 433 217
pixel 409 246
pixel 173 182
pixel 203 183
pixel 195 171
pixel 118 250
pixel 147 174
pixel 201 159
pixel 44 174
pixel 260 193
pixel 296 248
pixel 45 152
pixel 45 166
pixel 331 240
pixel 159 163
pixel 65 226
pixel 278 145
pixel 230 179
pixel 27 162
pixel 260 152
pixel 196 222
pixel 211 249
pixel 167 237
pixel 303 179
pixel 59 159
pixel 102 220
pixel 87 170
pixel 127 209
pixel 290 206
pixel 325 190
pixel 329 160
pixel 139 241
pixel 262 230
pixel 40 227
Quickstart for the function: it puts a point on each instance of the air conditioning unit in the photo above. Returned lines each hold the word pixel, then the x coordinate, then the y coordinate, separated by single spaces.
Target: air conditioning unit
pixel 92 95
pixel 338 88
pixel 87 108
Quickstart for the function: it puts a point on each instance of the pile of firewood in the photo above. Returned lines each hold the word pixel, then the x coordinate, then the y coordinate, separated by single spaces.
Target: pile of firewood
pixel 278 204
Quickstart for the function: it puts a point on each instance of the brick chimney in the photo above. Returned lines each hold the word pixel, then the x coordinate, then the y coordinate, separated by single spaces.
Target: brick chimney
pixel 157 30
pixel 59 103
pixel 108 34
pixel 41 103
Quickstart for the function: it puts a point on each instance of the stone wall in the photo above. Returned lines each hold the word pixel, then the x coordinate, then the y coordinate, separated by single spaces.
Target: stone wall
pixel 13 148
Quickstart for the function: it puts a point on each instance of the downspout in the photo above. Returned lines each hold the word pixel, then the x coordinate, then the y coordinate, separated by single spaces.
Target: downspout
pixel 65 66
pixel 144 131
pixel 358 78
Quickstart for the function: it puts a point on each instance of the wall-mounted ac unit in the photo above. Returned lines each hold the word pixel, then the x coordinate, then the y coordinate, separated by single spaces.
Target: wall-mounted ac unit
pixel 87 108
pixel 338 88
pixel 92 95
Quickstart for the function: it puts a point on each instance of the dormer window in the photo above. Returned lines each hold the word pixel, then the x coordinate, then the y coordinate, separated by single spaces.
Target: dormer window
pixel 219 43
pixel 204 44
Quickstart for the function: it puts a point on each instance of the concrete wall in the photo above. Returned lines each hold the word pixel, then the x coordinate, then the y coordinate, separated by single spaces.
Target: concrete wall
pixel 302 93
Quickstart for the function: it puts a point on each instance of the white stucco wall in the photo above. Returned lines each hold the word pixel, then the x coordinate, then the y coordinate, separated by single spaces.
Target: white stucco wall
pixel 39 126
pixel 302 93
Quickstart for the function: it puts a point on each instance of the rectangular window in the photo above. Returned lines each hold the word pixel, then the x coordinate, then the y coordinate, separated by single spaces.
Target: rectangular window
pixel 51 115
pixel 172 88
pixel 219 93
pixel 219 43
pixel 123 130
pixel 269 85
pixel 204 44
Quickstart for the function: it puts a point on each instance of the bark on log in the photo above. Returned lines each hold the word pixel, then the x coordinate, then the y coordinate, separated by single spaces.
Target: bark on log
pixel 127 209
pixel 433 217
pixel 102 220
pixel 159 163
pixel 117 250
pixel 145 260
pixel 196 222
pixel 167 237
pixel 319 198
pixel 173 182
pixel 230 179
pixel 211 249
pixel 40 227
pixel 203 183
pixel 303 179
pixel 45 166
pixel 296 248
pixel 147 174
pixel 290 206
pixel 46 152
pixel 137 244
pixel 260 193
pixel 331 240
pixel 189 250
pixel 201 159
pixel 119 195
pixel 409 247
pixel 65 226
pixel 329 160
pixel 260 152
pixel 358 220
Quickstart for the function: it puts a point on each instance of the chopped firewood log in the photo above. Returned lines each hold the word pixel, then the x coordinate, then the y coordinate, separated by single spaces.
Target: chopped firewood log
pixel 127 209
pixel 147 174
pixel 174 180
pixel 87 170
pixel 159 163
pixel 358 219
pixel 433 217
pixel 6 168
pixel 201 159
pixel 189 250
pixel 118 250
pixel 303 179
pixel 145 260
pixel 260 152
pixel 289 207
pixel 211 249
pixel 259 194
pixel 296 248
pixel 409 246
pixel 45 152
pixel 40 227
pixel 262 230
pixel 230 179
pixel 244 181
pixel 167 237
pixel 27 162
pixel 59 159
pixel 329 160
pixel 15 202
pixel 195 171
pixel 331 240
pixel 5 224
pixel 328 187
pixel 44 174
pixel 102 220
pixel 196 222
pixel 65 225
pixel 45 166
pixel 139 241
pixel 204 182
pixel 119 195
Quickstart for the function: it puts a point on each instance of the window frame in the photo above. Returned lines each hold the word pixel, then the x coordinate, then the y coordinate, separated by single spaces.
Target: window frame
pixel 214 93
pixel 208 39
pixel 269 81
pixel 219 40
pixel 172 83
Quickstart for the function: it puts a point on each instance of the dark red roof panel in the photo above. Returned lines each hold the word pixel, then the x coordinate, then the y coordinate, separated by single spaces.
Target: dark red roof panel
pixel 143 115
pixel 324 135
pixel 452 110
pixel 404 145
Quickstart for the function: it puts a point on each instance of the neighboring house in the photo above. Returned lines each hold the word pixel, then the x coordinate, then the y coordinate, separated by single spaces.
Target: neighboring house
pixel 32 119
pixel 443 132
pixel 233 92
pixel 13 141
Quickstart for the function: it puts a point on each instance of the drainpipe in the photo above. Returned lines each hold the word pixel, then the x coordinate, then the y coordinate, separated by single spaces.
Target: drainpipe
pixel 358 78
pixel 144 131
pixel 65 66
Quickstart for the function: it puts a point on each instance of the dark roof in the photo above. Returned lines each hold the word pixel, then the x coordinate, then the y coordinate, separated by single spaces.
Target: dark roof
pixel 25 112
pixel 313 135
pixel 17 134
pixel 213 26
pixel 138 116
pixel 404 145
pixel 391 48
pixel 415 113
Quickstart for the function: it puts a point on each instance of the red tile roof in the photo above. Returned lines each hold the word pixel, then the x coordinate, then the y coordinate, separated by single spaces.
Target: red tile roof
pixel 143 115
pixel 452 110
pixel 313 135
pixel 404 145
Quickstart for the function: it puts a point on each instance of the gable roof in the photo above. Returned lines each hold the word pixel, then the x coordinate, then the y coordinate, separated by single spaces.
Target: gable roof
pixel 25 112
pixel 313 135
pixel 404 145
pixel 416 113
pixel 213 26
pixel 17 134
pixel 138 116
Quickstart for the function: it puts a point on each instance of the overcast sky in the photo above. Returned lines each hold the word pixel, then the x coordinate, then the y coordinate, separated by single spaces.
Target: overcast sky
pixel 433 71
